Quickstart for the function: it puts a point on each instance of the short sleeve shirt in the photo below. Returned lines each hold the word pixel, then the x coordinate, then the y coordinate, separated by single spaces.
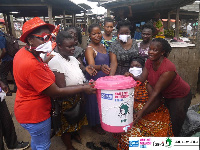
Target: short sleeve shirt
pixel 31 77
pixel 3 45
pixel 123 56
pixel 178 87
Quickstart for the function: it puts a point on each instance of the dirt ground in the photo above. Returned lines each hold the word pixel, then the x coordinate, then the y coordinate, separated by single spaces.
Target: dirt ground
pixel 87 134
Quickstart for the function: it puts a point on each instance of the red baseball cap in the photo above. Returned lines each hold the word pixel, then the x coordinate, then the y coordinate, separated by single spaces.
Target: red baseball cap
pixel 31 25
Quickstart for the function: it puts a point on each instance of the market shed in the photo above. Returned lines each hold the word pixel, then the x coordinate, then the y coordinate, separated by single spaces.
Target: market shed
pixel 145 8
pixel 33 8
pixel 41 8
pixel 185 58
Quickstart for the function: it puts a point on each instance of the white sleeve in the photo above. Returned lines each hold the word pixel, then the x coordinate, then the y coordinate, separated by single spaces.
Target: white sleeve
pixel 74 60
pixel 56 65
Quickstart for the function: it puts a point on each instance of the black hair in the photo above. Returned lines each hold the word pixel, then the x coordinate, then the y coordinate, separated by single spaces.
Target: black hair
pixel 78 30
pixel 79 35
pixel 149 26
pixel 165 45
pixel 108 19
pixel 139 59
pixel 93 26
pixel 36 31
pixel 63 35
pixel 123 23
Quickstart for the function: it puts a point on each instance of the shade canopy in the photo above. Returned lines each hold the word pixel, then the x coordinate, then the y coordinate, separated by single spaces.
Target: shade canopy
pixel 144 9
pixel 32 8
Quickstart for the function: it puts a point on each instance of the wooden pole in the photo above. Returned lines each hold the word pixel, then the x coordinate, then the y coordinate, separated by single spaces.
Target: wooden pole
pixel 198 31
pixel 108 12
pixel 73 20
pixel 85 22
pixel 177 23
pixel 6 22
pixel 64 19
pixel 12 26
pixel 9 24
pixel 168 21
pixel 50 14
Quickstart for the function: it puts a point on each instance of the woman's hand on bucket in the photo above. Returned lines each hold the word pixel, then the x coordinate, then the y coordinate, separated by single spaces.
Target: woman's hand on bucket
pixel 89 88
pixel 105 68
pixel 128 74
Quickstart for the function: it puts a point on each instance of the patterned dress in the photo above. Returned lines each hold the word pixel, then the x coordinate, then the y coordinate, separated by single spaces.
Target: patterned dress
pixel 154 124
pixel 107 43
pixel 73 76
pixel 143 51
pixel 123 56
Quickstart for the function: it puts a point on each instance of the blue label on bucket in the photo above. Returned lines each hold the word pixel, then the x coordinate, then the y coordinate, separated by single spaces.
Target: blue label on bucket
pixel 107 96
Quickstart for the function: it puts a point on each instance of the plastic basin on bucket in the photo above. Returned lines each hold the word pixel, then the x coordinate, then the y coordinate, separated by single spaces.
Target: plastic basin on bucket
pixel 115 95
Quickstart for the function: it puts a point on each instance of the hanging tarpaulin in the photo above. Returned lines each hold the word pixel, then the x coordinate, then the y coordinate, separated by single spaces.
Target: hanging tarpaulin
pixel 2 21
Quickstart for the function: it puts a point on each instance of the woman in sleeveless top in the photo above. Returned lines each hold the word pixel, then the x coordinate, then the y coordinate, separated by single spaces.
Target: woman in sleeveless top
pixel 97 57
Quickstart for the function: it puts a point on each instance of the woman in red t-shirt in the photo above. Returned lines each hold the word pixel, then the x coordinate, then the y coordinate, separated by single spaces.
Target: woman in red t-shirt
pixel 165 82
pixel 36 83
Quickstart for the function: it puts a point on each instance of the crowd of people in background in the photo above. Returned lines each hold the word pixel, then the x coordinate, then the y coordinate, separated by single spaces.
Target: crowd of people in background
pixel 65 77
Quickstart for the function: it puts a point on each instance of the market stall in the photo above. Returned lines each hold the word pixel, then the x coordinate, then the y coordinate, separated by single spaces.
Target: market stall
pixel 40 8
pixel 185 54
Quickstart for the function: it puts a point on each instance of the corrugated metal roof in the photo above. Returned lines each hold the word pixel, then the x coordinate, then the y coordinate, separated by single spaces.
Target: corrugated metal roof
pixel 152 3
pixel 87 7
pixel 144 9
pixel 31 8
pixel 192 7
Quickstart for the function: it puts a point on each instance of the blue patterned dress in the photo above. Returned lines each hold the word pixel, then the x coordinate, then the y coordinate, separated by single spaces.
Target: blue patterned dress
pixel 107 43
pixel 92 110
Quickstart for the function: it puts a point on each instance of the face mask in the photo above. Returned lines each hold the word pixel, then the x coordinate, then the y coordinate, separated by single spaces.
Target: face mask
pixel 135 71
pixel 124 38
pixel 45 48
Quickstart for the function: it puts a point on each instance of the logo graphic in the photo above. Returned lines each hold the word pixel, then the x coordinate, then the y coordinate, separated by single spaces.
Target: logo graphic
pixel 143 146
pixel 168 142
pixel 134 143
pixel 124 109
pixel 107 96
pixel 144 142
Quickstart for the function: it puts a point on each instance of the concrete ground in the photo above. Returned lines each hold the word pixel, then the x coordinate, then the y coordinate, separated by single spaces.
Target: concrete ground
pixel 87 134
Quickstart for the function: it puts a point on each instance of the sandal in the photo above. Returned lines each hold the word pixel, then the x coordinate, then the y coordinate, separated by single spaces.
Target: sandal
pixel 108 145
pixel 92 146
